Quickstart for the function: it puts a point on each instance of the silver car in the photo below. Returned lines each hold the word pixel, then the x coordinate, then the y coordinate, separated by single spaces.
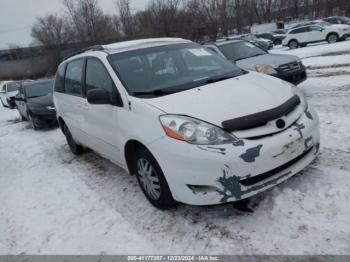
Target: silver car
pixel 251 57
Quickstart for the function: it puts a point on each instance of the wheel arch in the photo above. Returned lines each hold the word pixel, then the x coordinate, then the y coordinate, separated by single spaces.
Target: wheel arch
pixel 129 150
pixel 61 123
pixel 332 33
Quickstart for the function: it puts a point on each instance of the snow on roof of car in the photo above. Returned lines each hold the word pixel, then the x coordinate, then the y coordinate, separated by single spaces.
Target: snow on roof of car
pixel 142 43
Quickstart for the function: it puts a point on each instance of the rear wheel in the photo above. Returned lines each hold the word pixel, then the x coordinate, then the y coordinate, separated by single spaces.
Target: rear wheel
pixel 293 44
pixel 151 180
pixel 73 146
pixel 332 38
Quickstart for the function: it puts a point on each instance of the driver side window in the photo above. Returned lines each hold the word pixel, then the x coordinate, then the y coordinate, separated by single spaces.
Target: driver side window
pixel 97 77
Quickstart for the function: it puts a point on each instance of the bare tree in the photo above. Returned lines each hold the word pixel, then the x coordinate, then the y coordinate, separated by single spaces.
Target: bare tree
pixel 50 30
pixel 126 18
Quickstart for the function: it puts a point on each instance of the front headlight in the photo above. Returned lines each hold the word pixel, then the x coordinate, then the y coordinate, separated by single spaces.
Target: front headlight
pixel 195 131
pixel 50 108
pixel 265 69
pixel 297 91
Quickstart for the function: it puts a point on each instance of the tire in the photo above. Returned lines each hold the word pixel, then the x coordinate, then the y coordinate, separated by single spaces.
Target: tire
pixel 332 38
pixel 32 122
pixel 11 106
pixel 277 42
pixel 23 118
pixel 293 44
pixel 152 180
pixel 73 146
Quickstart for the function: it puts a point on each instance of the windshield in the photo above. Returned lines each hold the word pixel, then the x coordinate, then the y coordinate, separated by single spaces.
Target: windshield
pixel 39 89
pixel 11 87
pixel 323 23
pixel 240 50
pixel 174 67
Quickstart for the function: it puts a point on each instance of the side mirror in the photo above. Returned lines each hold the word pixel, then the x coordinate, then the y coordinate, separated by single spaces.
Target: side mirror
pixel 99 97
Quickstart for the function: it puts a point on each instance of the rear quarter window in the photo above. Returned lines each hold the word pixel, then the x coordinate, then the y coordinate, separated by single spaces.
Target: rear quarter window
pixel 72 81
pixel 59 82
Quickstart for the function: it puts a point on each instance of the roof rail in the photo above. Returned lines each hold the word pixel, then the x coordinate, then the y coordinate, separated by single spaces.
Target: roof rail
pixel 91 48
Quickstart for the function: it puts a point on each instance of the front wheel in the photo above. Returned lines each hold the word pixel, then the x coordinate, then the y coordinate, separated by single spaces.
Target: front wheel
pixel 332 38
pixel 11 105
pixel 151 180
pixel 32 122
pixel 293 44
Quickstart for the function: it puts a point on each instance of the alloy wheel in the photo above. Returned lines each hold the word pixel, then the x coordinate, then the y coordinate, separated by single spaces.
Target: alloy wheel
pixel 148 178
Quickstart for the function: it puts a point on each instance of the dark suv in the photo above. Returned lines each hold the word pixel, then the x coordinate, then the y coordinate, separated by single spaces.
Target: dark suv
pixel 250 57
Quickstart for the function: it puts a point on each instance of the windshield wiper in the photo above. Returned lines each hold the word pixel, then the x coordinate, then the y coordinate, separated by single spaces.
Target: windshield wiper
pixel 158 92
pixel 218 79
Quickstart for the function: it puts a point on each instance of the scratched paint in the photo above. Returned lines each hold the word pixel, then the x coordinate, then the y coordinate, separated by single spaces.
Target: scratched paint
pixel 251 154
pixel 232 189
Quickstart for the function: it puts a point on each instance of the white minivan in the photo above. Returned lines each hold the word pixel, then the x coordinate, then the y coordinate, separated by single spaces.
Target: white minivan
pixel 190 125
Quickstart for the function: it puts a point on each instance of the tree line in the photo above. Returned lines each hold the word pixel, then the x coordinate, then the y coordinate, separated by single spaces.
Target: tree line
pixel 84 21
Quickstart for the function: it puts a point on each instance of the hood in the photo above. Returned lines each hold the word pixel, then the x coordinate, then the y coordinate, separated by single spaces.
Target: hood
pixel 269 59
pixel 225 100
pixel 42 100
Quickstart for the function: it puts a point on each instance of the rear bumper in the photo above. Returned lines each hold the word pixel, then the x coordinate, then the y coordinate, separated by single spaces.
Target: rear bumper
pixel 209 175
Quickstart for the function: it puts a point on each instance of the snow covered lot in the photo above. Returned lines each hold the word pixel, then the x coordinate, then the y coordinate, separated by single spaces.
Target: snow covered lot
pixel 52 202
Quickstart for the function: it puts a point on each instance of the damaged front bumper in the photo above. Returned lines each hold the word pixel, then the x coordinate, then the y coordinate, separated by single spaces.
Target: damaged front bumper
pixel 209 175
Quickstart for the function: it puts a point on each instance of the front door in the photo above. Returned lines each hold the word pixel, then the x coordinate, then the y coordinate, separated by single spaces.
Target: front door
pixel 102 120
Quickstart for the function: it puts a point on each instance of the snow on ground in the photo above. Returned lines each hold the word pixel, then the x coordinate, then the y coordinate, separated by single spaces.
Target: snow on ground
pixel 327 61
pixel 313 50
pixel 55 203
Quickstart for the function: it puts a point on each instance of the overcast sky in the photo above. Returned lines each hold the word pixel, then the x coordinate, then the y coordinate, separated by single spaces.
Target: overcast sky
pixel 18 16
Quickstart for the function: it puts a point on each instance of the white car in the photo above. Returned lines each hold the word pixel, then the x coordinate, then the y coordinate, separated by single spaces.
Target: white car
pixel 313 33
pixel 192 126
pixel 8 92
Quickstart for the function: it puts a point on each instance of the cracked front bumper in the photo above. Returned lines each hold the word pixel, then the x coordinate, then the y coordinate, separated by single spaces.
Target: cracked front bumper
pixel 209 175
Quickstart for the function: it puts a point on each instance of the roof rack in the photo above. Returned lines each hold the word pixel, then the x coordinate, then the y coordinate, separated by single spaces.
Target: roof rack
pixel 91 48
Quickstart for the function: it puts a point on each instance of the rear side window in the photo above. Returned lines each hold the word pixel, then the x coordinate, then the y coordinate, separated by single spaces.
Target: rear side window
pixel 300 30
pixel 73 77
pixel 59 83
pixel 97 76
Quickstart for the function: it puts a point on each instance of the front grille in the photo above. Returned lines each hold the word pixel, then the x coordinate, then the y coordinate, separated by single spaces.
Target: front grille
pixel 261 118
pixel 289 67
pixel 256 179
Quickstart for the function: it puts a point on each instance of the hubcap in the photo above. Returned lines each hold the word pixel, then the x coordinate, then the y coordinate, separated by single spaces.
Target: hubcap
pixel 148 178
pixel 294 45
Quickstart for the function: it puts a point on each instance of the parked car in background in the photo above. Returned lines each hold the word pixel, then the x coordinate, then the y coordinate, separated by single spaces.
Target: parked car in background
pixel 302 36
pixel 35 103
pixel 338 20
pixel 250 57
pixel 189 124
pixel 8 91
pixel 275 38
pixel 265 44
pixel 280 31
